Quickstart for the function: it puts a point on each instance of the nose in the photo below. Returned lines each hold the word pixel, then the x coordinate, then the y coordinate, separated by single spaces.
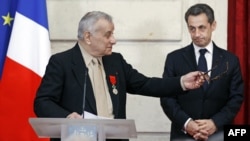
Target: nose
pixel 197 33
pixel 112 39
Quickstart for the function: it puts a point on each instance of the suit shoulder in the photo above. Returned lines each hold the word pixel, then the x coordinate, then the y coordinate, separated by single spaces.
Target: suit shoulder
pixel 177 52
pixel 65 54
pixel 227 53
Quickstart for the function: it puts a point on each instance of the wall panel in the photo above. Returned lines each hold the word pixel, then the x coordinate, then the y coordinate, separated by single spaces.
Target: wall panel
pixel 134 19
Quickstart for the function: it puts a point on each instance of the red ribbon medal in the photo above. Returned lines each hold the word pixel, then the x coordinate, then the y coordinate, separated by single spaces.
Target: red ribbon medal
pixel 112 79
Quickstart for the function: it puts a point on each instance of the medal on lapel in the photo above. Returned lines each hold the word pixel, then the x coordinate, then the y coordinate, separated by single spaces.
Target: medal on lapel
pixel 112 79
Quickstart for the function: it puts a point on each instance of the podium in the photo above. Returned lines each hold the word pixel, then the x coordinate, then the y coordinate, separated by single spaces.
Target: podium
pixel 84 129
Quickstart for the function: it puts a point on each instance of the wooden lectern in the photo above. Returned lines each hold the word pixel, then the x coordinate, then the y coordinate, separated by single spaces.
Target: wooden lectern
pixel 89 129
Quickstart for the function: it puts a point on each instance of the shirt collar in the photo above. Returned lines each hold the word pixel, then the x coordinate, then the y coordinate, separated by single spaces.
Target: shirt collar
pixel 87 57
pixel 209 48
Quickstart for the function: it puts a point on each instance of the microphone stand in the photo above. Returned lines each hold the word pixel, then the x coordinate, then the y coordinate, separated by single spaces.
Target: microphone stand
pixel 84 93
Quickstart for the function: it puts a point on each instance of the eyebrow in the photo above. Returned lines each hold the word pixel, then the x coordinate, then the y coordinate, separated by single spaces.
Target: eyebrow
pixel 108 33
pixel 198 26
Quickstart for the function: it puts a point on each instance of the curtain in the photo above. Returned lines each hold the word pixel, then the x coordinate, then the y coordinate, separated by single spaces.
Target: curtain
pixel 239 44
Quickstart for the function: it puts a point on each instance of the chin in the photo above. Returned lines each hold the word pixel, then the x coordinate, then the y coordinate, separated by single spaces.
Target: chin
pixel 108 53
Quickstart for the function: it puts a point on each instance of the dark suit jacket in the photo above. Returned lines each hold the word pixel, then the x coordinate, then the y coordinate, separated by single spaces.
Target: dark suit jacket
pixel 220 102
pixel 62 87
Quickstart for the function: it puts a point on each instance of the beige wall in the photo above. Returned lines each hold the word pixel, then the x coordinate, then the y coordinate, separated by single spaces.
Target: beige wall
pixel 146 31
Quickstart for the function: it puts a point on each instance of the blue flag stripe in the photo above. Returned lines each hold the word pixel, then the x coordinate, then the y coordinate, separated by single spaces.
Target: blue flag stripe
pixel 33 10
pixel 6 7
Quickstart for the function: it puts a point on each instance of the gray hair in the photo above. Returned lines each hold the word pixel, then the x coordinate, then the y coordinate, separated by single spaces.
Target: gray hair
pixel 198 9
pixel 88 21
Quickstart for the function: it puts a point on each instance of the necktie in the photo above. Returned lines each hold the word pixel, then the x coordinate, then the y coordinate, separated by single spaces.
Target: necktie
pixel 99 90
pixel 202 65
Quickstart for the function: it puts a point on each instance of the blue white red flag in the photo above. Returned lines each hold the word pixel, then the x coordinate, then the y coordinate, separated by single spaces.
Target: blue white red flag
pixel 24 53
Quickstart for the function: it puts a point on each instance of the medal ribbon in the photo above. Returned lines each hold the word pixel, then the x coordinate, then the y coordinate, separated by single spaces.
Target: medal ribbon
pixel 112 79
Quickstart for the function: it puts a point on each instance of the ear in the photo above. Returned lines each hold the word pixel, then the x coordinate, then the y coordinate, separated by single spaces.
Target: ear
pixel 214 25
pixel 86 36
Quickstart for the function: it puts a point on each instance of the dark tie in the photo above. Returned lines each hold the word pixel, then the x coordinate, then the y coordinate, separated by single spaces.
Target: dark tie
pixel 202 65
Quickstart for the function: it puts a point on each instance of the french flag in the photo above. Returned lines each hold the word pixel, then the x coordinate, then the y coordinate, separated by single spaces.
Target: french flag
pixel 24 54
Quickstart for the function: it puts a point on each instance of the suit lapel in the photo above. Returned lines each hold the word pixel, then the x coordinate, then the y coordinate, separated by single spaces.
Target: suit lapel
pixel 112 71
pixel 189 57
pixel 79 69
pixel 219 62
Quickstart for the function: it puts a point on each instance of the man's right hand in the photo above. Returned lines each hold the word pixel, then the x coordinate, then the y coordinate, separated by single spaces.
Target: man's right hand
pixel 74 115
pixel 193 80
pixel 196 132
pixel 202 135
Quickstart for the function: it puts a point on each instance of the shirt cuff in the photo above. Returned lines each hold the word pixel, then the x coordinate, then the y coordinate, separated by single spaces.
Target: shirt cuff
pixel 182 84
pixel 185 125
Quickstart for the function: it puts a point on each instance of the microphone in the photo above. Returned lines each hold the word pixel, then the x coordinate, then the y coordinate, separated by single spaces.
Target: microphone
pixel 84 92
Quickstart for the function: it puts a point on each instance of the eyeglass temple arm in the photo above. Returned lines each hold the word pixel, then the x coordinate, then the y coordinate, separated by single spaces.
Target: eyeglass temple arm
pixel 210 69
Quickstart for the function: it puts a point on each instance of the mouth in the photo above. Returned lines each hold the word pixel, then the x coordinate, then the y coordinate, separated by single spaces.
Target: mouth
pixel 198 40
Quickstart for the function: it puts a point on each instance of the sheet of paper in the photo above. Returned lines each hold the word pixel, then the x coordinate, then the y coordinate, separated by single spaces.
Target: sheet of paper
pixel 88 115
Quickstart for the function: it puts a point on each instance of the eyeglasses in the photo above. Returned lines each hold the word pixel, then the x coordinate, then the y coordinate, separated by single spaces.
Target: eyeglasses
pixel 208 79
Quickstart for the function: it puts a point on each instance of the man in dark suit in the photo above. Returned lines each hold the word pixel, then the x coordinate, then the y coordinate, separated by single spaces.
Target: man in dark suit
pixel 201 113
pixel 68 86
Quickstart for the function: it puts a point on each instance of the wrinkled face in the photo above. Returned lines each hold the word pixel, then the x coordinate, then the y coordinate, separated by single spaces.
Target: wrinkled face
pixel 200 29
pixel 102 40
